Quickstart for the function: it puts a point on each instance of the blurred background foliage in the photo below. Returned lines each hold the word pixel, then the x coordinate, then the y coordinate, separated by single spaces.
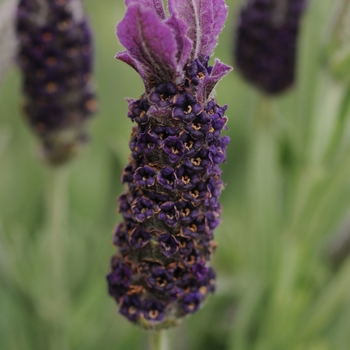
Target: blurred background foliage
pixel 282 280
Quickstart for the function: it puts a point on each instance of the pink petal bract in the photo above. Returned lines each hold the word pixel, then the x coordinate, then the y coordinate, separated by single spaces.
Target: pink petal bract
pixel 149 41
pixel 204 20
pixel 156 5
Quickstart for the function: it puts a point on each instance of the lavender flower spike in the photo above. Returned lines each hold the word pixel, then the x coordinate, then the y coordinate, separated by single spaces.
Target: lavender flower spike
pixel 55 56
pixel 170 207
pixel 266 43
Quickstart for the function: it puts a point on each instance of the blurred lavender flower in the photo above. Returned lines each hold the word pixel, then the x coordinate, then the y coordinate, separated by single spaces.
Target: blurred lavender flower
pixel 266 43
pixel 170 207
pixel 55 57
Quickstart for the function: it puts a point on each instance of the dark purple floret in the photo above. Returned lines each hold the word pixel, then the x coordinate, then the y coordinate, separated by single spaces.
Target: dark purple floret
pixel 213 108
pixel 146 143
pixel 186 178
pixel 198 194
pixel 266 43
pixel 143 208
pixel 120 276
pixel 124 206
pixel 216 155
pixel 187 212
pixel 199 271
pixel 186 108
pixel 137 111
pixel 169 214
pixel 131 307
pixel 153 310
pixel 200 127
pixel 191 302
pixel 121 237
pixel 166 178
pixel 160 280
pixel 191 145
pixel 174 148
pixel 145 176
pixel 55 57
pixel 139 238
pixel 196 71
pixel 163 95
pixel 186 246
pixel 172 182
pixel 169 244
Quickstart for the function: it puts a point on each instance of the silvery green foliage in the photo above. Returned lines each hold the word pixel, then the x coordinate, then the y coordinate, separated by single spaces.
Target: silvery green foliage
pixel 170 207
pixel 8 41
pixel 337 40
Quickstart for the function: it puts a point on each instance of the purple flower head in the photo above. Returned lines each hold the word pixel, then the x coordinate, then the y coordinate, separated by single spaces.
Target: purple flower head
pixel 172 182
pixel 55 56
pixel 266 43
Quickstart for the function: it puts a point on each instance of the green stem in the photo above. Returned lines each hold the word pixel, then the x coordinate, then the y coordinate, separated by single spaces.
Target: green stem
pixel 56 231
pixel 159 340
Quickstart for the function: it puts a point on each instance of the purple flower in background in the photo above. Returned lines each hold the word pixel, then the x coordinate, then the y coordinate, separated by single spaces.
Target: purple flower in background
pixel 266 43
pixel 170 207
pixel 55 56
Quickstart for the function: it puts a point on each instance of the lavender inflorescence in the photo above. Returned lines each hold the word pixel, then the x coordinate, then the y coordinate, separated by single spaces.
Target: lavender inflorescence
pixel 55 56
pixel 170 207
pixel 266 43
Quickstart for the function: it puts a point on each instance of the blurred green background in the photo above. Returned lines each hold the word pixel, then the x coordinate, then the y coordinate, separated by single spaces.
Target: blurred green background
pixel 281 285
